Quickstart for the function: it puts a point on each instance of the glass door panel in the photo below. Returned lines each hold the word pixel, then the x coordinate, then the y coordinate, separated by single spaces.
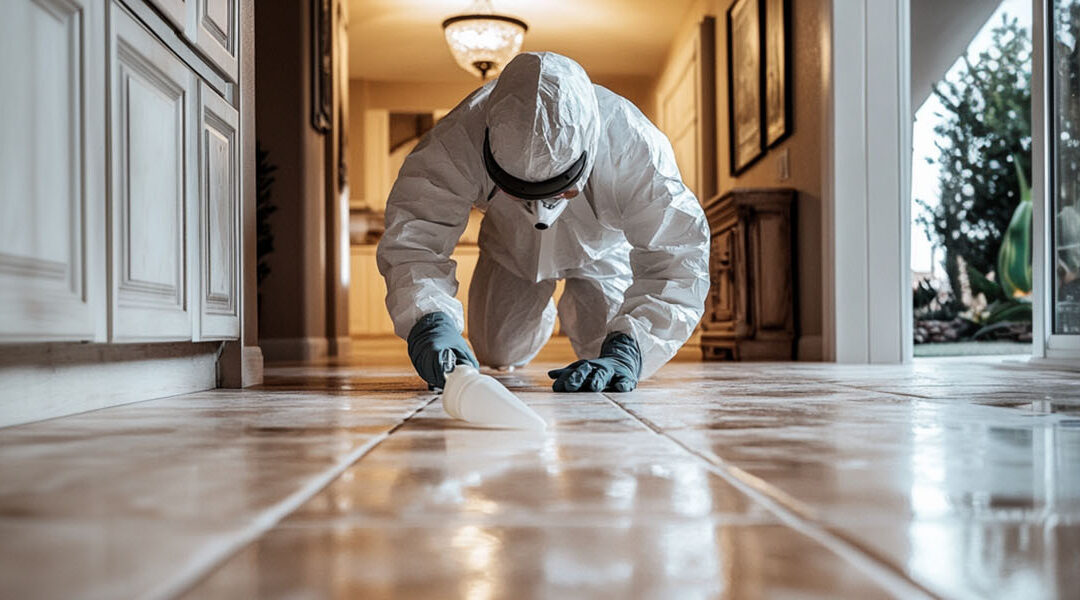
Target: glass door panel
pixel 1064 55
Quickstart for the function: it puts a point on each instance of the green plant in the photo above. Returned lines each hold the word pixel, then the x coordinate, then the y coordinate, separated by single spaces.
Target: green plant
pixel 1067 228
pixel 1014 257
pixel 923 296
pixel 931 304
pixel 264 183
pixel 1009 297
pixel 987 126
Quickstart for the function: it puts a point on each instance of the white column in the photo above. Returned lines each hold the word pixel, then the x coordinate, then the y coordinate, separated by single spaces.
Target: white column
pixel 868 298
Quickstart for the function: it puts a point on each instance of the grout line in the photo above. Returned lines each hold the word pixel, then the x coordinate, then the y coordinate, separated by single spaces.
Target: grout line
pixel 220 551
pixel 797 516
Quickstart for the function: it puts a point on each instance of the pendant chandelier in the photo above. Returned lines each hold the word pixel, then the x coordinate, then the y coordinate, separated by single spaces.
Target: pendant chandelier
pixel 481 41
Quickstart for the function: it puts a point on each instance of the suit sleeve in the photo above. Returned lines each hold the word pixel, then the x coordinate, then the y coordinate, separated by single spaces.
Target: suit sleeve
pixel 426 213
pixel 669 238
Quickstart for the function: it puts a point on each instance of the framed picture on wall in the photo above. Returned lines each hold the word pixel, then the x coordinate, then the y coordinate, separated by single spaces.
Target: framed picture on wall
pixel 745 24
pixel 777 73
pixel 322 74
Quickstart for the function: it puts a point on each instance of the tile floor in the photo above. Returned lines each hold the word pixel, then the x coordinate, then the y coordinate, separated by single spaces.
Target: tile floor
pixel 946 478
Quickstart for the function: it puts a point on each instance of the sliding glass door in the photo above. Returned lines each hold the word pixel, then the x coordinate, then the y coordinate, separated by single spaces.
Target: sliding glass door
pixel 1064 123
pixel 1058 213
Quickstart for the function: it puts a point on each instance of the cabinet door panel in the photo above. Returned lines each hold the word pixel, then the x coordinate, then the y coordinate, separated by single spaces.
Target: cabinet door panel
pixel 50 190
pixel 174 10
pixel 150 99
pixel 219 220
pixel 216 33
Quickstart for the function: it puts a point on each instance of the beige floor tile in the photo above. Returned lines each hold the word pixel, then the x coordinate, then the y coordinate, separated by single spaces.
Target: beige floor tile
pixel 685 559
pixel 130 501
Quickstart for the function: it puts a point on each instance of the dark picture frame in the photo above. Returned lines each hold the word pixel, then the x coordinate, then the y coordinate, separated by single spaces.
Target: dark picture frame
pixel 322 66
pixel 777 72
pixel 745 83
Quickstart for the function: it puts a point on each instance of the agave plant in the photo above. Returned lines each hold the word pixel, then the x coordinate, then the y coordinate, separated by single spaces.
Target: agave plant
pixel 1014 256
pixel 1010 295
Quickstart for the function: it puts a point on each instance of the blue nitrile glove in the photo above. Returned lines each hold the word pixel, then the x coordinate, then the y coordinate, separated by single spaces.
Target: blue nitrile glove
pixel 435 345
pixel 616 370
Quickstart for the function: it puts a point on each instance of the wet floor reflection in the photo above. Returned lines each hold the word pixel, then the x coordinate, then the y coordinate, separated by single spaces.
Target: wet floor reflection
pixel 967 499
pixel 441 510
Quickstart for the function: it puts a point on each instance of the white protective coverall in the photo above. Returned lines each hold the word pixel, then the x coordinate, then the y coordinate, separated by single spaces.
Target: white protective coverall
pixel 633 246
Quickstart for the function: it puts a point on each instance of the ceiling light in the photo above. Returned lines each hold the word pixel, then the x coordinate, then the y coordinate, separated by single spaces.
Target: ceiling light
pixel 481 41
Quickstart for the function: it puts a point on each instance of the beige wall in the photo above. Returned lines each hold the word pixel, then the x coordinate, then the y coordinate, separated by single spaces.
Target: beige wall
pixel 293 294
pixel 304 302
pixel 806 146
pixel 394 97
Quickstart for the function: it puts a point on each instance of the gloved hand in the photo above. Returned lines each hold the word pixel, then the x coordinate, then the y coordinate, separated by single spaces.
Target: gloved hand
pixel 616 370
pixel 435 343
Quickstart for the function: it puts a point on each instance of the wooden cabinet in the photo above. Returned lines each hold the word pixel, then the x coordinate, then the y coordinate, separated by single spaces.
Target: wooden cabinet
pixel 51 170
pixel 151 108
pixel 752 303
pixel 219 217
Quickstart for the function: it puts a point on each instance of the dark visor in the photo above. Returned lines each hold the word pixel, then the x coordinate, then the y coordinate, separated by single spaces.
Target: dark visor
pixel 531 190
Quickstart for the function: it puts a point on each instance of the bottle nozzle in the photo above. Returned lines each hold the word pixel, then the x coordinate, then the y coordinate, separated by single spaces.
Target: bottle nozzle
pixel 448 360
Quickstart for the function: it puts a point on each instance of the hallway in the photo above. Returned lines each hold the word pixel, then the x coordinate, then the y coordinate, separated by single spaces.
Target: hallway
pixel 346 480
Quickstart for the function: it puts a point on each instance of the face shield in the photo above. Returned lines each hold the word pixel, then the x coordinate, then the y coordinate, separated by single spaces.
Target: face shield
pixel 543 200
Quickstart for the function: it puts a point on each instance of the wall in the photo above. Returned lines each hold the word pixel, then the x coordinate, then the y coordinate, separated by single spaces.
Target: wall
pixel 805 147
pixel 395 97
pixel 293 315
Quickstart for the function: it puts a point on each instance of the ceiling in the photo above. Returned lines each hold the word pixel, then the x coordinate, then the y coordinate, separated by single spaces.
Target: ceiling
pixel 940 31
pixel 402 40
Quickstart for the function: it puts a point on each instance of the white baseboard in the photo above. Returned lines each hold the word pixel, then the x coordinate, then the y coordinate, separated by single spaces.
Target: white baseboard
pixel 294 349
pixel 44 381
pixel 811 348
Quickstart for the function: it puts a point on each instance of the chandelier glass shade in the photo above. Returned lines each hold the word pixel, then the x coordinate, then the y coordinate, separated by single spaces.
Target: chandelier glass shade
pixel 483 42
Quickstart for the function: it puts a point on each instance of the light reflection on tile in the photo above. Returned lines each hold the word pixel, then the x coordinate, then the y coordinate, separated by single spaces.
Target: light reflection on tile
pixel 667 560
pixel 116 502
pixel 966 498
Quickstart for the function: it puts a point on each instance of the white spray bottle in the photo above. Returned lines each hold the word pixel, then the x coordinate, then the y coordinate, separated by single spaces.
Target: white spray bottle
pixel 480 399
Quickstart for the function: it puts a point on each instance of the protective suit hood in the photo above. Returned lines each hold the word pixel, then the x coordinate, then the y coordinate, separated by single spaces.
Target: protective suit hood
pixel 542 115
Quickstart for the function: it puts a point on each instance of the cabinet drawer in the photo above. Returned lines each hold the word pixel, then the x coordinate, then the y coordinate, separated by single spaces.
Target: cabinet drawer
pixel 151 96
pixel 51 171
pixel 219 217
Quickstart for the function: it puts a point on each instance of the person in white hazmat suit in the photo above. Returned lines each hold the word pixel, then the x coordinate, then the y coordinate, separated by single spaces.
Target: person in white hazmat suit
pixel 575 184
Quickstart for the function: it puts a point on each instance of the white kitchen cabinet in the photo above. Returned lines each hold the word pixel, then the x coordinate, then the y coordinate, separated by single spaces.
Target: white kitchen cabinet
pixel 215 33
pixel 149 230
pixel 120 154
pixel 51 170
pixel 219 217
pixel 176 11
